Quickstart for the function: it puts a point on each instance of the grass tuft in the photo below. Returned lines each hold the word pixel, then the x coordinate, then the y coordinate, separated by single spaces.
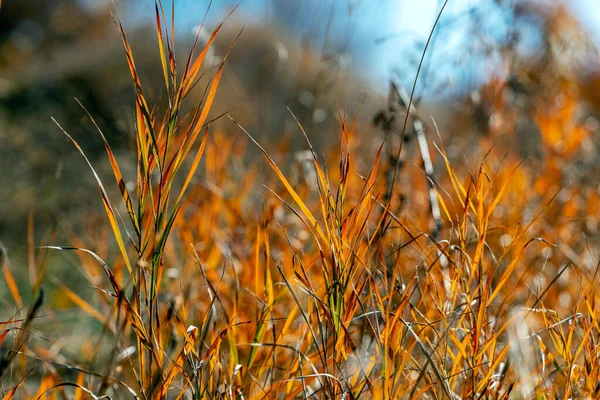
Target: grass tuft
pixel 443 282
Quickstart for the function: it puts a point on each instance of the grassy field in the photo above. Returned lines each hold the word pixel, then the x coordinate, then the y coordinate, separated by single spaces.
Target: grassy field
pixel 386 268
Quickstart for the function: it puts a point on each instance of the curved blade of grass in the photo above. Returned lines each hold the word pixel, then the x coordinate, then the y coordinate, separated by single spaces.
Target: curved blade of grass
pixel 12 285
pixel 193 168
pixel 10 394
pixel 190 72
pixel 181 155
pixel 160 391
pixel 23 335
pixel 287 185
pixel 107 206
pixel 84 305
pixel 140 98
pixel 117 173
pixel 161 46
pixel 132 315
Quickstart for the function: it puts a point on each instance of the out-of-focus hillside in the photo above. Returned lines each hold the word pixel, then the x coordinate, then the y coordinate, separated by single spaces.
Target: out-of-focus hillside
pixel 51 52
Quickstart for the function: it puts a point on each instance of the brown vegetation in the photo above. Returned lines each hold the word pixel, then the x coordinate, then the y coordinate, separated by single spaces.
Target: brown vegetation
pixel 355 279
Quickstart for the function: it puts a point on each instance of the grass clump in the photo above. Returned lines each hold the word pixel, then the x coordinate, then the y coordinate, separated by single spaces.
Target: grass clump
pixel 337 288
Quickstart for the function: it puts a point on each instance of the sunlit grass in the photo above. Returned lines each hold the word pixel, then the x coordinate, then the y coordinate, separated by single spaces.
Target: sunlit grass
pixel 327 288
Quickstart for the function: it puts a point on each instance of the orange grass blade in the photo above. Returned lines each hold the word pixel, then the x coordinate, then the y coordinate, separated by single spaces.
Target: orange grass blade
pixel 107 206
pixel 181 155
pixel 12 284
pixel 193 168
pixel 509 269
pixel 117 173
pixel 364 208
pixel 324 186
pixel 199 124
pixel 287 185
pixel 10 394
pixel 3 336
pixel 442 203
pixel 85 306
pixel 190 73
pixel 130 312
pixel 79 394
pixel 161 46
pixel 140 99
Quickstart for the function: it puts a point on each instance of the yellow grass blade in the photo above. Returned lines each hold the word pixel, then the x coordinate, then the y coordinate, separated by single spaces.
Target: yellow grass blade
pixel 10 394
pixel 161 46
pixel 106 202
pixel 288 186
pixel 85 306
pixel 79 393
pixel 117 173
pixel 12 285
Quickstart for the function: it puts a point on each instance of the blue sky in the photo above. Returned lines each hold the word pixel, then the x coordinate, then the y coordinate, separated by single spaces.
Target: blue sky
pixel 589 13
pixel 359 26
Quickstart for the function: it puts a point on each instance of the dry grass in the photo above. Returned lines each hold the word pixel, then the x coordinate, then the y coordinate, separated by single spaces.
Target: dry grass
pixel 331 287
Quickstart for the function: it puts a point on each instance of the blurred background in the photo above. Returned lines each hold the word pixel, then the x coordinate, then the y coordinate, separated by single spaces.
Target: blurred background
pixel 490 67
